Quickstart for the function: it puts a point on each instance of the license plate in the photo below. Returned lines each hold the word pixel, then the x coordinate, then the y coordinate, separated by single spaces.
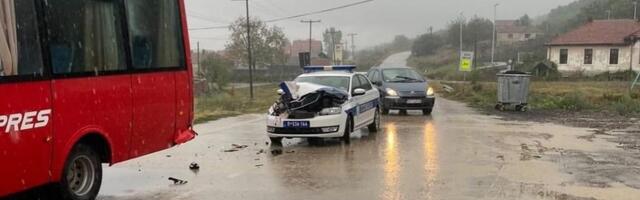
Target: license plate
pixel 296 124
pixel 414 101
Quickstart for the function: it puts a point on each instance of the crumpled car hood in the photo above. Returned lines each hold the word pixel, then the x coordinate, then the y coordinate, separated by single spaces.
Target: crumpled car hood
pixel 305 100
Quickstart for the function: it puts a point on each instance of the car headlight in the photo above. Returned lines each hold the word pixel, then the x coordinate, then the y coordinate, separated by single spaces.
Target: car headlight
pixel 331 111
pixel 430 91
pixel 391 92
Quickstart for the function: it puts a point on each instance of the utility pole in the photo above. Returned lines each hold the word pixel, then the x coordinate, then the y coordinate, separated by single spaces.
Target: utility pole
pixel 461 21
pixel 310 32
pixel 333 46
pixel 353 45
pixel 493 38
pixel 635 10
pixel 249 52
pixel 199 66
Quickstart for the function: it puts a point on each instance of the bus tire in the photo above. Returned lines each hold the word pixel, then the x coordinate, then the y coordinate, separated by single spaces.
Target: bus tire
pixel 81 175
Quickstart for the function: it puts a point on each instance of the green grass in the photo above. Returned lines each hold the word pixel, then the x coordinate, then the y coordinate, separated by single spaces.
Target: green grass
pixel 567 96
pixel 233 102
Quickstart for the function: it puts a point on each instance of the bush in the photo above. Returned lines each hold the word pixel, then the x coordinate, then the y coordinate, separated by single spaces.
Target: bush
pixel 574 101
pixel 627 105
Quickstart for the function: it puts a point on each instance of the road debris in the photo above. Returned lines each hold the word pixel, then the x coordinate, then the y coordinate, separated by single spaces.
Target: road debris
pixel 194 166
pixel 259 165
pixel 237 146
pixel 276 152
pixel 177 181
pixel 260 152
pixel 290 151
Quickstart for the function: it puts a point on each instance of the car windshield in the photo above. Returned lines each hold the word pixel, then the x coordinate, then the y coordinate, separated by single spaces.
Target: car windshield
pixel 340 82
pixel 401 75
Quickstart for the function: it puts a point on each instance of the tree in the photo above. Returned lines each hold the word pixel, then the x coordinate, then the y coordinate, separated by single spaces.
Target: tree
pixel 427 44
pixel 331 37
pixel 216 69
pixel 453 31
pixel 267 43
pixel 476 30
pixel 524 21
pixel 401 43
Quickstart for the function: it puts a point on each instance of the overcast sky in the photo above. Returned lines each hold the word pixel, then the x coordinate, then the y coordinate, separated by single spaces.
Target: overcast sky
pixel 375 22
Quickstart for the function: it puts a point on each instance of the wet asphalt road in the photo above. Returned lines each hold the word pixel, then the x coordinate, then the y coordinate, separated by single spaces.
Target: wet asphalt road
pixel 456 153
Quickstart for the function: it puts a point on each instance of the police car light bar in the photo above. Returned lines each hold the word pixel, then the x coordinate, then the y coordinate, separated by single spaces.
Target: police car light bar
pixel 347 68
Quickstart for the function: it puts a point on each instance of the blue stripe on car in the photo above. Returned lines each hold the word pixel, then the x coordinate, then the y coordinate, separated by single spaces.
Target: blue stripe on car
pixel 356 110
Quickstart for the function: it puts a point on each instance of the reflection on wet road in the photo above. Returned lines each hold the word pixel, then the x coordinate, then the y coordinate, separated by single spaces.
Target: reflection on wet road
pixel 391 166
pixel 454 154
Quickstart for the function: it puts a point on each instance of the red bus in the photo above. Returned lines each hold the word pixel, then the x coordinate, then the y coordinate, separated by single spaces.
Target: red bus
pixel 86 82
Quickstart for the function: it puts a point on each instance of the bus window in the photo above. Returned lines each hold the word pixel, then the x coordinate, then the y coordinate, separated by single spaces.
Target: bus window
pixel 155 34
pixel 20 52
pixel 85 36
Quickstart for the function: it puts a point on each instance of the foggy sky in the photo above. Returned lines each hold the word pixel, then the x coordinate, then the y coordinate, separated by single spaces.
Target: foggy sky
pixel 375 22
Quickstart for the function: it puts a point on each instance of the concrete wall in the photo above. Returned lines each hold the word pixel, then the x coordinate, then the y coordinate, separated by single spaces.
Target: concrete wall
pixel 600 62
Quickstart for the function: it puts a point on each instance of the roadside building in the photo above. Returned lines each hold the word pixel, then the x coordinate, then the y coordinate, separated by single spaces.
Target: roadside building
pixel 597 47
pixel 299 46
pixel 510 31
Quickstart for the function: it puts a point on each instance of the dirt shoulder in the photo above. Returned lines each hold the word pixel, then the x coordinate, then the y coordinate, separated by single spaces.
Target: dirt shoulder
pixel 601 120
pixel 597 105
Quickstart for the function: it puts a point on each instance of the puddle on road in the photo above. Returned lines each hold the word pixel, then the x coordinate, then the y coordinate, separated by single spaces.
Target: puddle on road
pixel 454 154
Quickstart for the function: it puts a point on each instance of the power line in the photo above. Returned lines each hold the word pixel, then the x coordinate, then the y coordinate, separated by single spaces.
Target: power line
pixel 320 11
pixel 204 19
pixel 293 16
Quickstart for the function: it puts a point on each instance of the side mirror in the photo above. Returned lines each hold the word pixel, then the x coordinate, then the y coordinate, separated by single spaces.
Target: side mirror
pixel 377 83
pixel 280 92
pixel 359 92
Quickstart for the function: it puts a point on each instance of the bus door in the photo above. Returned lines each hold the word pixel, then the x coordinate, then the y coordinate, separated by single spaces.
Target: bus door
pixel 92 85
pixel 157 54
pixel 25 104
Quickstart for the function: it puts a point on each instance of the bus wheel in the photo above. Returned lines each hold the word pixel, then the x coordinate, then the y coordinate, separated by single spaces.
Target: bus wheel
pixel 81 175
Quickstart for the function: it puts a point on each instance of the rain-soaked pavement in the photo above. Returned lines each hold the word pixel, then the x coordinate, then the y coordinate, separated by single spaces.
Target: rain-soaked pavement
pixel 456 153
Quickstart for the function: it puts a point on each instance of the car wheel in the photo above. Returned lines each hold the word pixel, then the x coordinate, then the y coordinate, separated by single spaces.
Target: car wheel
pixel 348 127
pixel 427 111
pixel 375 126
pixel 276 140
pixel 385 111
pixel 81 176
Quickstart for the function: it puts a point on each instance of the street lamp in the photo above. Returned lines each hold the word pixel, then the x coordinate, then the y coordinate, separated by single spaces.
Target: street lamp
pixel 493 39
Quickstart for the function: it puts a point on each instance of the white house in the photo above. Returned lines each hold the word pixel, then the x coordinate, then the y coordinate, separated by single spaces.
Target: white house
pixel 597 47
pixel 509 31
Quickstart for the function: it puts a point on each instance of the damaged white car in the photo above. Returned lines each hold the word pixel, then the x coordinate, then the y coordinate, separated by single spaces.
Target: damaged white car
pixel 324 104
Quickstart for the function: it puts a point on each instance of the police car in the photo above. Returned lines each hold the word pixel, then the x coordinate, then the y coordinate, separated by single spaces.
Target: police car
pixel 324 102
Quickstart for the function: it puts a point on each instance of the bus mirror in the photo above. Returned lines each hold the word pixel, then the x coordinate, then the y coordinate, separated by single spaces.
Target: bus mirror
pixel 280 92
